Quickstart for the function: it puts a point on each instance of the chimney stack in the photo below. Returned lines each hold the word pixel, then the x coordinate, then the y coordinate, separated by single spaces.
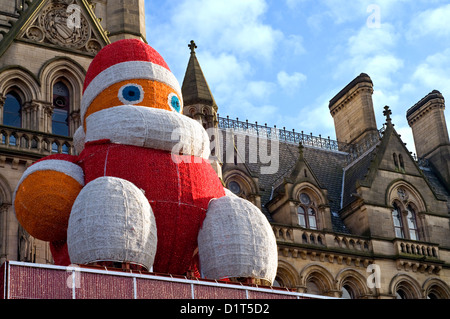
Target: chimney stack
pixel 427 121
pixel 353 113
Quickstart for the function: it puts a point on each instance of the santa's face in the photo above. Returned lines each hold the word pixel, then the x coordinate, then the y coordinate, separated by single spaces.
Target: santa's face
pixel 139 92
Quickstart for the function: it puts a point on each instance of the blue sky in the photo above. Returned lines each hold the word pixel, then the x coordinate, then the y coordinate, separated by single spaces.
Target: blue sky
pixel 280 61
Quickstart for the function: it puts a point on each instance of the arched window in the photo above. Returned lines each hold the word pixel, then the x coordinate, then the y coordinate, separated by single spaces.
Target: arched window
pixel 412 223
pixel 347 292
pixel 405 222
pixel 407 204
pixel 397 219
pixel 438 290
pixel 317 280
pixel 400 159
pixel 313 288
pixel 234 187
pixel 401 294
pixel 12 110
pixel 307 212
pixel 61 103
pixel 395 160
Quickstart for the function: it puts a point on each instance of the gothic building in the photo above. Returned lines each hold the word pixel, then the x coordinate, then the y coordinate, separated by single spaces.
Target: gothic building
pixel 360 217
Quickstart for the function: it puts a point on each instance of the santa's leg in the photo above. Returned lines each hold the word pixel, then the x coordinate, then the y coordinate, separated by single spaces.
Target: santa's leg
pixel 237 241
pixel 112 221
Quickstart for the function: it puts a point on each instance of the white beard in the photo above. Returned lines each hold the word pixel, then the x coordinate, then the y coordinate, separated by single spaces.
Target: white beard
pixel 146 127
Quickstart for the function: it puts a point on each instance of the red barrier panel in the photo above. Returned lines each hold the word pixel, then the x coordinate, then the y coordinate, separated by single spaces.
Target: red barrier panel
pixel 20 280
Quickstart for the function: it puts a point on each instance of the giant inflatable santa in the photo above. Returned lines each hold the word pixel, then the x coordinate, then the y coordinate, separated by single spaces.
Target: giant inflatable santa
pixel 142 190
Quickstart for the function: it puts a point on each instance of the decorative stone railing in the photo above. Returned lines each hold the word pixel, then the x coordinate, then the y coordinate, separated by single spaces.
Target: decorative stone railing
pixel 416 249
pixel 352 243
pixel 299 235
pixel 417 256
pixel 283 233
pixel 19 139
pixel 306 236
pixel 322 246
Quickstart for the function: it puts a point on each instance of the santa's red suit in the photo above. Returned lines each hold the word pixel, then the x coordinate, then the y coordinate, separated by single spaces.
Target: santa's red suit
pixel 141 186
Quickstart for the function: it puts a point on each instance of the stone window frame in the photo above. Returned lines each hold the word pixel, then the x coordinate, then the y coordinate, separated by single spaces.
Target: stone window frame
pixel 246 185
pixel 318 276
pixel 317 202
pixel 406 199
pixel 405 286
pixel 436 287
pixel 309 212
pixel 72 74
pixel 68 85
pixel 354 280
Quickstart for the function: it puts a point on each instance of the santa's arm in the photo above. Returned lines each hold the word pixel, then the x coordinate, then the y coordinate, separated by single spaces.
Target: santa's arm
pixel 45 194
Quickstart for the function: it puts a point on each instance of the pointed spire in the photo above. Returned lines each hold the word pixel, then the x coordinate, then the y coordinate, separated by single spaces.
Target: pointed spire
pixel 195 88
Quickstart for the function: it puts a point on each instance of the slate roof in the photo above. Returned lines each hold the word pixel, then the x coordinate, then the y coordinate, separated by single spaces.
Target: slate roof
pixel 355 172
pixel 332 171
pixel 326 165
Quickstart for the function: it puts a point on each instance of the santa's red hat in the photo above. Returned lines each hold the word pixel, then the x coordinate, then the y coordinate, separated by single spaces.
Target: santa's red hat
pixel 125 60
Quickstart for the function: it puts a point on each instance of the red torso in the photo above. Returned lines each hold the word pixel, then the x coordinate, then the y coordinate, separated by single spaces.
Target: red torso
pixel 178 193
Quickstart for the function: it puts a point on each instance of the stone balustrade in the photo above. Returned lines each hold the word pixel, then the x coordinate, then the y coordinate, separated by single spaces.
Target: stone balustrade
pixel 306 236
pixel 418 249
pixel 39 143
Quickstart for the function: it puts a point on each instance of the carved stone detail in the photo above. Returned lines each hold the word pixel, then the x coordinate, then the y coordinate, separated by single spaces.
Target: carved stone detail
pixel 59 30
pixel 63 23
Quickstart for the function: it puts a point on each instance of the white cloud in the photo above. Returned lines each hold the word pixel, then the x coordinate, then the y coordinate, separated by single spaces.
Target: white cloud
pixel 432 22
pixel 228 78
pixel 233 38
pixel 372 51
pixel 223 67
pixel 290 82
pixel 373 40
pixel 260 90
pixel 434 72
pixel 228 26
pixel 292 4
pixel 382 68
pixel 294 44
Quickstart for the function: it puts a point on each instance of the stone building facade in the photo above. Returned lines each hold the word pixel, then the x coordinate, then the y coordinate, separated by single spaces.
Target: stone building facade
pixel 359 217
pixel 45 50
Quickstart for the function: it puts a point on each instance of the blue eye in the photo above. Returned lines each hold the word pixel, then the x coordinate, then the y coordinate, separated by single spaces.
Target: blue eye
pixel 131 94
pixel 174 102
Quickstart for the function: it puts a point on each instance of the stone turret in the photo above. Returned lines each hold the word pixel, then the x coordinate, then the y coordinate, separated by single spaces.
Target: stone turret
pixel 427 121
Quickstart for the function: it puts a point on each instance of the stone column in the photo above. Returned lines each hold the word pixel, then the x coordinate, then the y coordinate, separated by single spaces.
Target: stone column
pixel 2 103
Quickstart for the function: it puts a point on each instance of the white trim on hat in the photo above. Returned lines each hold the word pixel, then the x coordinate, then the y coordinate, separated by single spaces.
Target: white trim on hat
pixel 127 71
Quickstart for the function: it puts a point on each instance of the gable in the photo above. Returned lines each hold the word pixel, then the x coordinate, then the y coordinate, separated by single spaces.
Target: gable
pixel 302 172
pixel 58 25
pixel 382 167
pixel 396 157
